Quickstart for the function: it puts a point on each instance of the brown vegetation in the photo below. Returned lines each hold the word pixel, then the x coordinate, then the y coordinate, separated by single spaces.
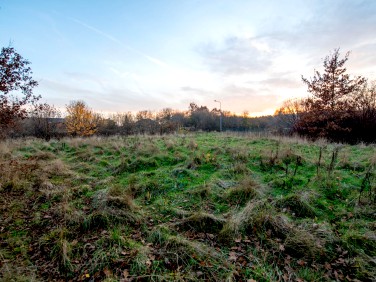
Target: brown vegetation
pixel 340 108
pixel 15 76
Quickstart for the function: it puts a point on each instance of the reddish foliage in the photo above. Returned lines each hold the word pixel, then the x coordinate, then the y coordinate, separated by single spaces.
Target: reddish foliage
pixel 15 78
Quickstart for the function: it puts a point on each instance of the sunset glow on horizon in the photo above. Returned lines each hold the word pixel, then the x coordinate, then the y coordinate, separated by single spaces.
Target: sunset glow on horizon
pixel 121 56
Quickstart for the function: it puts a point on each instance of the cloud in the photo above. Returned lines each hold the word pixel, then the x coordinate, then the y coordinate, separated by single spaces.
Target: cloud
pixel 63 92
pixel 119 42
pixel 345 24
pixel 363 58
pixel 195 90
pixel 280 82
pixel 107 99
pixel 100 32
pixel 236 56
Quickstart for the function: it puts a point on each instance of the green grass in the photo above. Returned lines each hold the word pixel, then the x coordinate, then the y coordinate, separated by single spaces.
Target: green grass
pixel 200 207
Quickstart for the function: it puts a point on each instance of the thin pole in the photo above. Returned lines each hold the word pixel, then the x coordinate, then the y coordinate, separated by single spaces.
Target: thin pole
pixel 220 117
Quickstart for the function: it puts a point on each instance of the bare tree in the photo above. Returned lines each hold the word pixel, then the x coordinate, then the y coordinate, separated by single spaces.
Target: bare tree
pixel 126 122
pixel 166 122
pixel 288 115
pixel 44 120
pixel 364 124
pixel 16 88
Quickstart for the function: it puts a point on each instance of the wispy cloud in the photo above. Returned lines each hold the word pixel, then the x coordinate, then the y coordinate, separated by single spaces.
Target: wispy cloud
pixel 98 31
pixel 108 99
pixel 119 42
pixel 236 55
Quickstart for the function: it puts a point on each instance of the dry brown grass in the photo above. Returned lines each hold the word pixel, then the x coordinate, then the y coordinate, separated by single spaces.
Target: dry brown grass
pixel 57 167
pixel 192 145
pixel 239 220
pixel 202 222
pixel 5 150
pixel 115 197
pixel 203 191
pixel 300 243
pixel 296 205
pixel 239 154
pixel 179 251
pixel 111 205
pixel 260 219
pixel 244 191
pixel 170 143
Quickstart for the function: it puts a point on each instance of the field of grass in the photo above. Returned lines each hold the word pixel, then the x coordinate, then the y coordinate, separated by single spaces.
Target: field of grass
pixel 203 207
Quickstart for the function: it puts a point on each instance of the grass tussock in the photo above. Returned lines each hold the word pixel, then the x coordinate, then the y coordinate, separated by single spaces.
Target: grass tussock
pixel 202 222
pixel 260 219
pixel 247 189
pixel 203 191
pixel 296 205
pixel 191 259
pixel 239 154
pixel 113 204
pixel 239 168
pixel 195 207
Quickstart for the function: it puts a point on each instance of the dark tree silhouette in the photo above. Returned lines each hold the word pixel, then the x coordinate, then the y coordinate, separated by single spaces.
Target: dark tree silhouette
pixel 16 88
pixel 289 114
pixel 329 107
pixel 364 122
pixel 44 120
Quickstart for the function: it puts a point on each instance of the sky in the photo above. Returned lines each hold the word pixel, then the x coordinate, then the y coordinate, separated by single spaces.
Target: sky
pixel 128 55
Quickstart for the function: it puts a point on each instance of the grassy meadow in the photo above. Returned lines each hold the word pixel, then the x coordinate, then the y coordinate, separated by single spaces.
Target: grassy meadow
pixel 200 207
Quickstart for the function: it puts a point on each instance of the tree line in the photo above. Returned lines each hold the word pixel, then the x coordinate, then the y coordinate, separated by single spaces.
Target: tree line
pixel 339 108
pixel 45 121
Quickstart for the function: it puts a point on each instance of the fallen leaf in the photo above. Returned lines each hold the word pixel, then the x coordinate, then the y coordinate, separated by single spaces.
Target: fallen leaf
pixel 301 262
pixel 242 260
pixel 328 266
pixel 233 256
pixel 336 274
pixel 125 273
pixel 107 272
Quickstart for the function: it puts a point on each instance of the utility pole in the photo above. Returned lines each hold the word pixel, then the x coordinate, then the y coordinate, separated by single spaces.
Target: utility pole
pixel 220 117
